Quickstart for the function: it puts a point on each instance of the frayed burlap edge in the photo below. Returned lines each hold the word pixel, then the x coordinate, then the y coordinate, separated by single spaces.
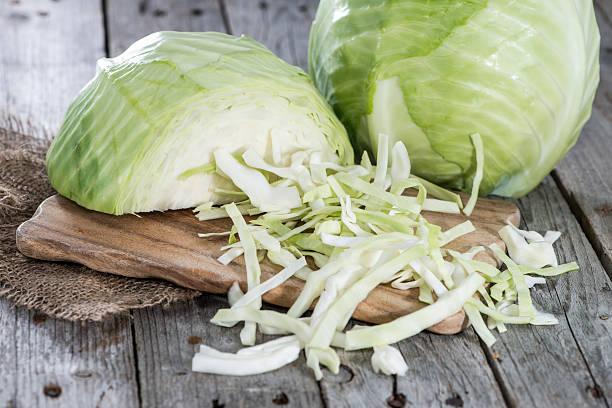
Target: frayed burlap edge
pixel 59 289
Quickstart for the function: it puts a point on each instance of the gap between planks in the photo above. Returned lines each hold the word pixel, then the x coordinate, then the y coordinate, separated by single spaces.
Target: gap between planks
pixel 135 354
pixel 224 16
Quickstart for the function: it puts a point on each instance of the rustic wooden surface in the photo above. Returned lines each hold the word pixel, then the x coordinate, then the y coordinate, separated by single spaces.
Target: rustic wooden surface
pixel 584 175
pixel 166 246
pixel 144 361
pixel 166 340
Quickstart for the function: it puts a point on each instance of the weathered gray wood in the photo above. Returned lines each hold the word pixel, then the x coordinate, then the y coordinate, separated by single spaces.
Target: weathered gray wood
pixel 541 366
pixel 448 370
pixel 48 51
pixel 565 364
pixel 164 338
pixel 356 385
pixel 283 26
pixel 585 173
pixel 584 177
pixel 586 295
pixel 443 370
pixel 46 56
pixel 128 21
pixel 54 363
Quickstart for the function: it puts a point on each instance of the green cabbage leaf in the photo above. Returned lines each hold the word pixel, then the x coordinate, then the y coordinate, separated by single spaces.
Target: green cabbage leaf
pixel 522 74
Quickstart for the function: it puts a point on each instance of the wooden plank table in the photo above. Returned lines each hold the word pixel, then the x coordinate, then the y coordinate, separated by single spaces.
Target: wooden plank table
pixel 47 52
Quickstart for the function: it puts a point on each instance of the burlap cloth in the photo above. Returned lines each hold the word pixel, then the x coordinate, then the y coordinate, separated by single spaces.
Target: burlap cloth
pixel 62 290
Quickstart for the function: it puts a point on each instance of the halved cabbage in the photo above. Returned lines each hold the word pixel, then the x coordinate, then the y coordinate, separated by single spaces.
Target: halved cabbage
pixel 160 109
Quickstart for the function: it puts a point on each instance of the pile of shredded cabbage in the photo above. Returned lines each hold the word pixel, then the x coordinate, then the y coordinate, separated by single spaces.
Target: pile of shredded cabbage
pixel 360 230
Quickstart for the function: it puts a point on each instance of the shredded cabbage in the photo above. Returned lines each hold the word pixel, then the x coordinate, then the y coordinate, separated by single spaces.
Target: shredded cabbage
pixel 414 323
pixel 455 232
pixel 230 255
pixel 400 163
pixel 529 248
pixel 360 234
pixel 389 361
pixel 209 360
pixel 253 272
pixel 254 184
pixel 256 292
pixel 478 150
pixel 479 324
pixel 525 305
pixel 234 294
pixel 383 159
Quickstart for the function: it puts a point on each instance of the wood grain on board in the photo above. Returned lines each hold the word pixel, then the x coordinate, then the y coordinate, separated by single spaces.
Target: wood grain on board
pixel 165 245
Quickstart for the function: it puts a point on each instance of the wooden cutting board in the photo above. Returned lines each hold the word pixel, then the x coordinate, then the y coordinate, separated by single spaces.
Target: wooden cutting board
pixel 165 245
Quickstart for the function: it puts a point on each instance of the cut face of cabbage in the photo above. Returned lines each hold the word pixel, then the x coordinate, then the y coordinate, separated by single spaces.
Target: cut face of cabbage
pixel 160 110
pixel 522 74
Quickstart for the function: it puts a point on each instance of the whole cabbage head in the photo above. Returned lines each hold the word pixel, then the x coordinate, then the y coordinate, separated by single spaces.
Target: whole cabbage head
pixel 521 73
pixel 141 134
